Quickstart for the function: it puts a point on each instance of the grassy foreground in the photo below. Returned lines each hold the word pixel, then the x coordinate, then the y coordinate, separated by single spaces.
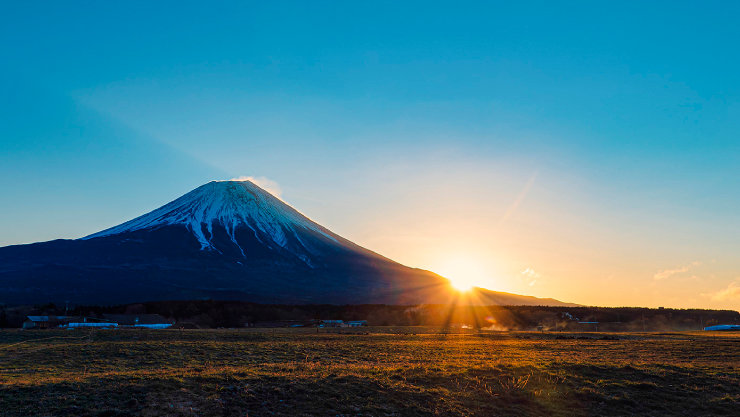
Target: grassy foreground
pixel 373 372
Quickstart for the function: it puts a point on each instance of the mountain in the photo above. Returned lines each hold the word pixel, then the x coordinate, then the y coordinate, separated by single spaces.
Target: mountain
pixel 223 240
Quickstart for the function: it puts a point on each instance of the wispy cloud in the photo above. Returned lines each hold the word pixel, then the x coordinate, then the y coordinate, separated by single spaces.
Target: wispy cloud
pixel 531 276
pixel 265 183
pixel 661 275
pixel 731 293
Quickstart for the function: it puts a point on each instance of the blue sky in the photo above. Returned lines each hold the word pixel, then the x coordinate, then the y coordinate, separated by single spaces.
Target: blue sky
pixel 412 128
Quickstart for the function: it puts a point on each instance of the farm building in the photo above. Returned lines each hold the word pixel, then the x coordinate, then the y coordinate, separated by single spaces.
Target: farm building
pixel 108 321
pixel 331 323
pixel 342 323
pixel 91 322
pixel 47 322
pixel 724 327
pixel 65 322
pixel 145 321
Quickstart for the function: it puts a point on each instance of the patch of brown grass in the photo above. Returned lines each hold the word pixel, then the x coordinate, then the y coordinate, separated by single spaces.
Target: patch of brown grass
pixel 381 371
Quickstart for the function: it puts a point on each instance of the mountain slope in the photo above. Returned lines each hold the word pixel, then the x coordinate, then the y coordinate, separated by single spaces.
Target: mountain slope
pixel 224 240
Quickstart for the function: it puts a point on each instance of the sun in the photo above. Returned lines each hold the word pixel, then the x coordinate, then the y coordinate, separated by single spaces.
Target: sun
pixel 464 273
pixel 461 285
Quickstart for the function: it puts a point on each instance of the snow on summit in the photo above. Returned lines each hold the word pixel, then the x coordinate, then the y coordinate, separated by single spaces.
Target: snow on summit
pixel 230 204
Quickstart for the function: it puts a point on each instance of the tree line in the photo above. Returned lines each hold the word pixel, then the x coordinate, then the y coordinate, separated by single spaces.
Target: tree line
pixel 235 314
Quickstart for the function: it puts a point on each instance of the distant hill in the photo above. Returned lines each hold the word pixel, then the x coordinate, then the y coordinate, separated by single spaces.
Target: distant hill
pixel 487 297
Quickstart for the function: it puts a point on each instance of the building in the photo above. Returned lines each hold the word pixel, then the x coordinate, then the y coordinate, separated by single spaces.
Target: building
pixel 65 322
pixel 342 323
pixel 331 323
pixel 47 322
pixel 108 321
pixel 142 321
pixel 724 327
pixel 91 322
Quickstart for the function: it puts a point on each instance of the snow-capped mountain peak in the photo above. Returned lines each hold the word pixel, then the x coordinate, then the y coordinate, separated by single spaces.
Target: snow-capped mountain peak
pixel 231 205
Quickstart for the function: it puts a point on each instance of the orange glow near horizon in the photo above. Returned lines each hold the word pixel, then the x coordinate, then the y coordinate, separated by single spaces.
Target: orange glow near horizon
pixel 461 286
pixel 464 273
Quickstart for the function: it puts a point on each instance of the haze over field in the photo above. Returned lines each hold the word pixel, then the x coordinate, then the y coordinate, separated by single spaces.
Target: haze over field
pixel 580 152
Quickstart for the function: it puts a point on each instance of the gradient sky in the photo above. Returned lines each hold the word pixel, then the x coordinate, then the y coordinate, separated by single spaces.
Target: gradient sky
pixel 584 151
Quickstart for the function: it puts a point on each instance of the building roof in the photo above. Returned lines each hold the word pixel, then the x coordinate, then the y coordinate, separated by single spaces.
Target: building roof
pixel 133 319
pixel 48 318
pixel 723 327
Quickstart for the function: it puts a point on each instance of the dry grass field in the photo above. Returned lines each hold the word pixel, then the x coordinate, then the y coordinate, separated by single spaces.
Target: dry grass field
pixel 406 371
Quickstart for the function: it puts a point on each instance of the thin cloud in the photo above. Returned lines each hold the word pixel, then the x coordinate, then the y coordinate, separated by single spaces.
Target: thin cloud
pixel 661 275
pixel 731 293
pixel 531 276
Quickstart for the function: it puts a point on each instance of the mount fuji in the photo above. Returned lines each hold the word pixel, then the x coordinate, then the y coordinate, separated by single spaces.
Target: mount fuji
pixel 223 240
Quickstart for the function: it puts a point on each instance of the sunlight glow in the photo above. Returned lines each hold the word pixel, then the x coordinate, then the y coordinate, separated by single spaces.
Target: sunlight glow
pixel 464 273
pixel 461 286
